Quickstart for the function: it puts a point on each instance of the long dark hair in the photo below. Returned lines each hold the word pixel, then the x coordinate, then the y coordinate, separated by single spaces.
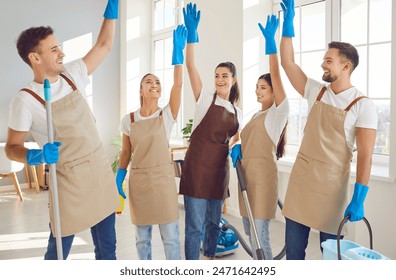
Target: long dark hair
pixel 280 149
pixel 234 92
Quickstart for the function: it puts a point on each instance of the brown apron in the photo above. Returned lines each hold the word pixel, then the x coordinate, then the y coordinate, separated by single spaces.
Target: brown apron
pixel 87 191
pixel 206 171
pixel 318 187
pixel 261 171
pixel 152 185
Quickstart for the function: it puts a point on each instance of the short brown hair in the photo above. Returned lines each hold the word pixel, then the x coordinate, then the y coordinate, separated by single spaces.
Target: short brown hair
pixel 348 51
pixel 29 40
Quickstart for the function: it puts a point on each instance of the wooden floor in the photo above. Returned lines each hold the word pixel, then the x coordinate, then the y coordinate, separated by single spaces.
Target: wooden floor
pixel 24 232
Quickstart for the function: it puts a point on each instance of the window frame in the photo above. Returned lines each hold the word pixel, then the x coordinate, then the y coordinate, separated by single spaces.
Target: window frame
pixel 163 34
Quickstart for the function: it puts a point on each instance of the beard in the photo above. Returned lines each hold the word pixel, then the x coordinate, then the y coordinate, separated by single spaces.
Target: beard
pixel 328 78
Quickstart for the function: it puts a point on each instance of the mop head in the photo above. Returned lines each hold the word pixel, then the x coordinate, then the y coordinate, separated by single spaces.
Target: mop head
pixel 227 241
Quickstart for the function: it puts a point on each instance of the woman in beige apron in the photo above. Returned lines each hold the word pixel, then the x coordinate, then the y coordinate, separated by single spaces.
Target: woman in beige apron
pixel 85 201
pixel 205 172
pixel 152 185
pixel 263 141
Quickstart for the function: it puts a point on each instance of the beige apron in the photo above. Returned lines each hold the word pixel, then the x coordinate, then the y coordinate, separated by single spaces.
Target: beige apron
pixel 318 186
pixel 261 171
pixel 87 191
pixel 152 185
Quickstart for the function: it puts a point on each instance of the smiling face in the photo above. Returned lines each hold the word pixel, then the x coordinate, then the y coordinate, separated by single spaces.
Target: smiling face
pixel 150 87
pixel 334 66
pixel 48 57
pixel 223 81
pixel 264 91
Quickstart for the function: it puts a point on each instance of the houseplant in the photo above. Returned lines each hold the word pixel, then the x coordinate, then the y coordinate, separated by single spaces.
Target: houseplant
pixel 187 130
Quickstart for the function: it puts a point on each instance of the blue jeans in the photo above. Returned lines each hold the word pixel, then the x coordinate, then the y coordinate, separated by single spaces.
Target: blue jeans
pixel 262 227
pixel 169 236
pixel 201 212
pixel 103 237
pixel 297 239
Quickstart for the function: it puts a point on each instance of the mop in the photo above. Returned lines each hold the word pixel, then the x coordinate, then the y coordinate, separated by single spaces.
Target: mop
pixel 58 235
pixel 259 250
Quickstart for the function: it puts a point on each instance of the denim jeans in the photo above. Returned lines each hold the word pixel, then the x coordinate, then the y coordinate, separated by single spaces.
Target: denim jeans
pixel 103 237
pixel 297 239
pixel 262 227
pixel 169 236
pixel 201 212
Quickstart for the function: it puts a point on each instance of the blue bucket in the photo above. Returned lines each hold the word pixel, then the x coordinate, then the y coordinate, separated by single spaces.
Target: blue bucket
pixel 349 251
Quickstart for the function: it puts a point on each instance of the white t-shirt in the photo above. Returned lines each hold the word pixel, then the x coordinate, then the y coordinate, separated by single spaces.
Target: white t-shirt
pixel 27 114
pixel 125 125
pixel 363 114
pixel 203 104
pixel 275 120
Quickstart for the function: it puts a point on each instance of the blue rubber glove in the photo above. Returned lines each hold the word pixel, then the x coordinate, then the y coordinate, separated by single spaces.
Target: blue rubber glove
pixel 191 20
pixel 111 11
pixel 355 207
pixel 121 173
pixel 269 34
pixel 236 154
pixel 49 154
pixel 179 43
pixel 288 16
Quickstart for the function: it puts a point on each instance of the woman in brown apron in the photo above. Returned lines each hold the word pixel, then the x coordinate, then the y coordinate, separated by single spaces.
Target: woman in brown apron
pixel 263 141
pixel 152 186
pixel 205 172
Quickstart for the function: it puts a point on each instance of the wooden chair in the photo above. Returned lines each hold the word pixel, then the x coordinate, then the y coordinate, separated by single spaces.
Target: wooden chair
pixel 9 168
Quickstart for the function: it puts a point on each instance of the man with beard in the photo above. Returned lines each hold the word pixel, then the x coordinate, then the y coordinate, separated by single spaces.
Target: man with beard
pixel 339 116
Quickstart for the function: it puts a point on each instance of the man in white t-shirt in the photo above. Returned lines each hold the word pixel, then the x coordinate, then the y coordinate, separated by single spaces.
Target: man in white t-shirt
pixel 339 116
pixel 78 149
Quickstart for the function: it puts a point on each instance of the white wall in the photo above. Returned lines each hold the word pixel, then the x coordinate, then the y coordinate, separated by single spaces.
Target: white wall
pixel 69 19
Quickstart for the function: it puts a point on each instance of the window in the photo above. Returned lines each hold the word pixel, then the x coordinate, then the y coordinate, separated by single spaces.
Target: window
pixel 75 49
pixel 309 51
pixel 364 23
pixel 165 19
pixel 367 25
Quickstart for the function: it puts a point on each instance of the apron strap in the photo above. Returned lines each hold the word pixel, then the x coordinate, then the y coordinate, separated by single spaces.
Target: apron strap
pixel 132 116
pixel 322 91
pixel 354 102
pixel 39 99
pixel 71 84
pixel 35 95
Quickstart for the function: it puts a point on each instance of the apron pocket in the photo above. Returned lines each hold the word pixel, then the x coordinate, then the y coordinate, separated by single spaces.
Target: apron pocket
pixel 327 179
pixel 80 171
pixel 301 165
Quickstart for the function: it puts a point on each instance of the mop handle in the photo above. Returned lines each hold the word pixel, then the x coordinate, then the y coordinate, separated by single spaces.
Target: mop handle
pixel 243 187
pixel 47 96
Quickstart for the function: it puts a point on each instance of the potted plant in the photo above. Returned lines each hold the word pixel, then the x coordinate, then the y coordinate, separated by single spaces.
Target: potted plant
pixel 117 142
pixel 187 130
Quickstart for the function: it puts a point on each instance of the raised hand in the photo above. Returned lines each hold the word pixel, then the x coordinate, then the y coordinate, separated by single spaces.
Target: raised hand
pixel 269 34
pixel 111 11
pixel 288 16
pixel 191 20
pixel 179 43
